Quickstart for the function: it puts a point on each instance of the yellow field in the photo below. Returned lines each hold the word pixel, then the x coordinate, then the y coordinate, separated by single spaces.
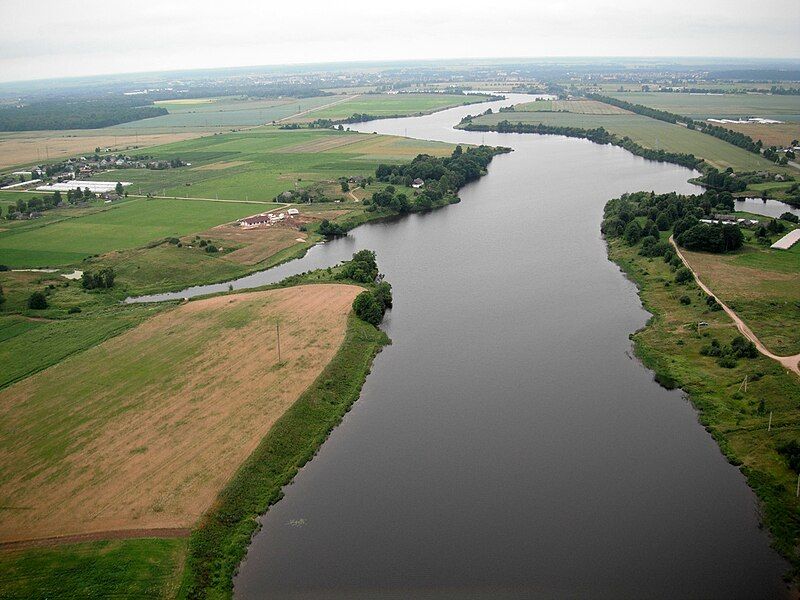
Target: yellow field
pixel 773 134
pixel 144 430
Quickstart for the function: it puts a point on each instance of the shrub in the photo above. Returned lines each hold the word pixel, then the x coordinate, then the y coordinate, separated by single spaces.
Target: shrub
pixel 685 299
pixel 383 294
pixel 791 218
pixel 683 275
pixel 791 451
pixel 330 229
pixel 103 279
pixel 37 301
pixel 211 248
pixel 74 310
pixel 726 362
pixel 367 308
pixel 743 348
pixel 363 267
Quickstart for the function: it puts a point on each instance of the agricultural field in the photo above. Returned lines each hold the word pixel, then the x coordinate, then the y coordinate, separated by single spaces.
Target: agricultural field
pixel 583 107
pixel 259 164
pixel 770 134
pixel 155 440
pixel 704 106
pixel 652 134
pixel 226 112
pixel 382 105
pixel 134 222
pixel 762 286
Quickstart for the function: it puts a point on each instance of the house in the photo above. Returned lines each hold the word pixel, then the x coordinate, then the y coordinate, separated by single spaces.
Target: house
pixel 417 183
pixel 255 221
pixel 293 211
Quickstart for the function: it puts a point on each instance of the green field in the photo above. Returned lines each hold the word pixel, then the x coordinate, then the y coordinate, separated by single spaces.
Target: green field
pixel 260 164
pixel 231 112
pixel 124 569
pixel 382 105
pixel 701 106
pixel 652 134
pixel 133 223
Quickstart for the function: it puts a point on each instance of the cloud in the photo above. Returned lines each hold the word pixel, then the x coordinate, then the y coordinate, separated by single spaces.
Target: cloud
pixel 81 38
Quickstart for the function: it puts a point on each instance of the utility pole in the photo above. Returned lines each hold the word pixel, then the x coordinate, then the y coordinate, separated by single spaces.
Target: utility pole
pixel 278 331
pixel 769 427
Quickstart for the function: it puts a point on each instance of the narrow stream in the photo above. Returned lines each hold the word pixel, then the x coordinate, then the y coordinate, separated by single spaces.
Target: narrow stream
pixel 507 445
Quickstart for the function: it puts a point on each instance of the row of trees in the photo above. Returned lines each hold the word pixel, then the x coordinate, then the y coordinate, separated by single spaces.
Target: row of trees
pixel 597 135
pixel 732 137
pixel 76 113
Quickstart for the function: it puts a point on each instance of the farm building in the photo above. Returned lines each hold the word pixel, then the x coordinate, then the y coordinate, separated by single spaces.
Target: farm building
pixel 417 183
pixel 787 241
pixel 293 211
pixel 97 187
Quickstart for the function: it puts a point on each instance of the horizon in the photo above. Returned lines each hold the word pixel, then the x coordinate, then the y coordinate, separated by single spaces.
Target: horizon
pixel 134 40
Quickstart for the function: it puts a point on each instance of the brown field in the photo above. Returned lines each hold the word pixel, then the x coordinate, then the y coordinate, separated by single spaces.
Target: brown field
pixel 258 244
pixel 144 430
pixel 33 147
pixel 776 134
pixel 219 166
pixel 587 107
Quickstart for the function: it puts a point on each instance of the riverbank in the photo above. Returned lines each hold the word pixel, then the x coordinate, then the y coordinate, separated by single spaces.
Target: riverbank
pixel 749 409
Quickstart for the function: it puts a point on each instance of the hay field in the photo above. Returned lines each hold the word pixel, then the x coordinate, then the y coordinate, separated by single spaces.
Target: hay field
pixel 143 430
pixel 773 134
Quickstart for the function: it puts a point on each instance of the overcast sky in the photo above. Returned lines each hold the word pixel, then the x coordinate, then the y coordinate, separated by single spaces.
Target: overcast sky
pixel 59 38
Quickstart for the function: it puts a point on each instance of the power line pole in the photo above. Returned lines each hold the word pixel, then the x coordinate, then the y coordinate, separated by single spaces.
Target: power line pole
pixel 278 330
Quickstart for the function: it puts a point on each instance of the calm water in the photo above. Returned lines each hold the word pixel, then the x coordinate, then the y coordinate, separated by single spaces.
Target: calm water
pixel 507 445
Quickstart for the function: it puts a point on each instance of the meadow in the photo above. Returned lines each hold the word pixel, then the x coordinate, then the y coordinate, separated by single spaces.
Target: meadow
pixel 650 133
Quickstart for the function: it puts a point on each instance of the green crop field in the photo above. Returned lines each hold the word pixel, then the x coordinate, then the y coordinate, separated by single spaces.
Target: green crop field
pixel 382 105
pixel 133 223
pixel 701 106
pixel 652 134
pixel 123 569
pixel 225 112
pixel 261 163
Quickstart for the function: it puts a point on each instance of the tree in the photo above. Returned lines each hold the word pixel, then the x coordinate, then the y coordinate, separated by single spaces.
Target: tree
pixel 367 308
pixel 662 221
pixel 791 218
pixel 383 294
pixel 118 188
pixel 345 186
pixel 632 233
pixel 683 275
pixel 37 301
pixel 330 229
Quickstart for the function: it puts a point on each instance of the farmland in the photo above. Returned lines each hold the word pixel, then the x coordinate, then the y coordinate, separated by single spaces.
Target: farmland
pixel 770 134
pixel 261 163
pixel 130 457
pixel 649 133
pixel 704 106
pixel 383 105
pixel 132 223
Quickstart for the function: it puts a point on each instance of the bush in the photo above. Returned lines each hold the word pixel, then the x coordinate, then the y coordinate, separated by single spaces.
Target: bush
pixel 330 229
pixel 103 279
pixel 367 308
pixel 713 304
pixel 685 299
pixel 791 218
pixel 683 275
pixel 743 348
pixel 37 301
pixel 727 362
pixel 211 248
pixel 74 310
pixel 383 294
pixel 791 451
pixel 363 267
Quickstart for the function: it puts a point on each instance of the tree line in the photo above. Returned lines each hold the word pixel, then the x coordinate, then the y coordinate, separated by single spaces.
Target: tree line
pixel 76 114
pixel 597 135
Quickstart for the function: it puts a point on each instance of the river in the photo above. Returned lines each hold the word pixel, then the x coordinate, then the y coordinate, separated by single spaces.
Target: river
pixel 507 445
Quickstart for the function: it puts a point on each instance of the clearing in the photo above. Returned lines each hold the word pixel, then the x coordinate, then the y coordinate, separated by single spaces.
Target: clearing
pixel 145 429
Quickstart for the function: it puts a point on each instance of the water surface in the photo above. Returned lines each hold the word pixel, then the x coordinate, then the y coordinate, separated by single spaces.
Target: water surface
pixel 507 445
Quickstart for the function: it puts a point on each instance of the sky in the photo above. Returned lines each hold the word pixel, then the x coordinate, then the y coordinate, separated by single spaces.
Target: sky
pixel 63 38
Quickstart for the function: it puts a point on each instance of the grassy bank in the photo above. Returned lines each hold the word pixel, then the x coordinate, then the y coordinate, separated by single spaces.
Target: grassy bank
pixel 737 417
pixel 220 541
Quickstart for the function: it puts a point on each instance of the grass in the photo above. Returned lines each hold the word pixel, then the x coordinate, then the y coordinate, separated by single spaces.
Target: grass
pixel 220 541
pixel 670 345
pixel 650 133
pixel 141 568
pixel 132 223
pixel 383 105
pixel 700 106
pixel 762 286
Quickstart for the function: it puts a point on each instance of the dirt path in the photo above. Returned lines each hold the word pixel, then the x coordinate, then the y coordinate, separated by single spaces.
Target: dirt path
pixel 118 534
pixel 790 362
